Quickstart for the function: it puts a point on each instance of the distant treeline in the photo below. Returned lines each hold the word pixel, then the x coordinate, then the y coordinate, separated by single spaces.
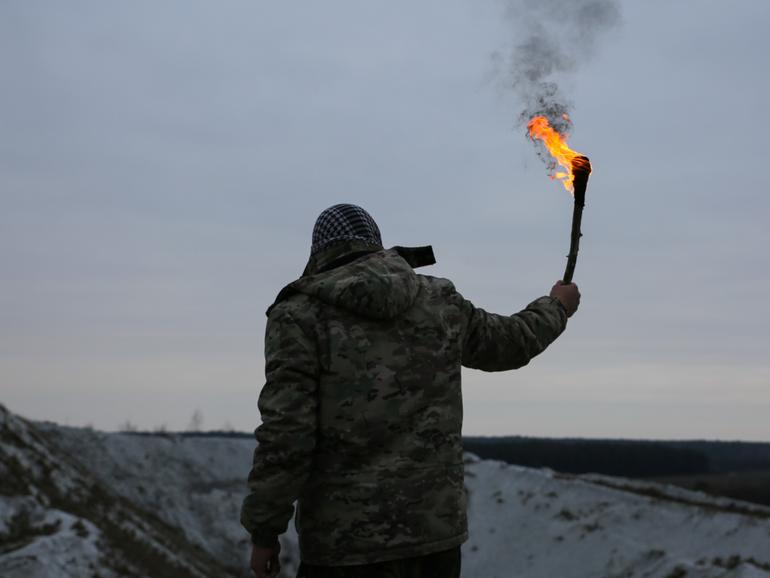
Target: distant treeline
pixel 735 469
pixel 730 456
pixel 192 434
pixel 629 458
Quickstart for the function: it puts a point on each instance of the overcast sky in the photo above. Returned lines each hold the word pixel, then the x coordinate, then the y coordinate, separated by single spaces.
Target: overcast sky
pixel 162 164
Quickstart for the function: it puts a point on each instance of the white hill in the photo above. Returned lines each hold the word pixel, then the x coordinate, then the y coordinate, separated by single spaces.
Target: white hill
pixel 85 504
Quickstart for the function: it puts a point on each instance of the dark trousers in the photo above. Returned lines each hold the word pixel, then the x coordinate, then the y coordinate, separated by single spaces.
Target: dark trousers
pixel 439 565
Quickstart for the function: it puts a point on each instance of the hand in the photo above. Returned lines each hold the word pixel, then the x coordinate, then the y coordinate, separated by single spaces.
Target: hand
pixel 264 561
pixel 568 294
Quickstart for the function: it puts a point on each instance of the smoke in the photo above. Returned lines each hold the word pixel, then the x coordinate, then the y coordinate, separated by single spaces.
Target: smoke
pixel 552 39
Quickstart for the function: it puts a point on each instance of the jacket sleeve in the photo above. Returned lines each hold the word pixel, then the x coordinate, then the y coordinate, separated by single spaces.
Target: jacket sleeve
pixel 287 435
pixel 498 342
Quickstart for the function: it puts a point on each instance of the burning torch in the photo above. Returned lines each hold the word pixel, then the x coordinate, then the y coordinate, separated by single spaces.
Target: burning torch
pixel 574 176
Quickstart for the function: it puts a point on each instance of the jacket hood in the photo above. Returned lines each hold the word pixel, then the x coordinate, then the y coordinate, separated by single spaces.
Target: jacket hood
pixel 375 285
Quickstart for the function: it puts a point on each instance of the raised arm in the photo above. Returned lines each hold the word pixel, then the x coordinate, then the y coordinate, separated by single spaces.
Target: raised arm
pixel 499 342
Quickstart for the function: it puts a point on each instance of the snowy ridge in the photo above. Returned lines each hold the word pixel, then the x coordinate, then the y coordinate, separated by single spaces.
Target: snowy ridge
pixel 59 521
pixel 79 503
pixel 195 484
pixel 537 523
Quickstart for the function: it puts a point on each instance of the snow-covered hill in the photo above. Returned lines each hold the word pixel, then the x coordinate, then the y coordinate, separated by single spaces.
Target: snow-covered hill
pixel 540 524
pixel 59 518
pixel 79 503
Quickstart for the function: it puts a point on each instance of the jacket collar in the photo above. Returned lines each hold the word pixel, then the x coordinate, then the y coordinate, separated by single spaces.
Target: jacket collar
pixel 342 253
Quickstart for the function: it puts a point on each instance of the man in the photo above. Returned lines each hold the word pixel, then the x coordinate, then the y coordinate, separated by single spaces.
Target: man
pixel 362 407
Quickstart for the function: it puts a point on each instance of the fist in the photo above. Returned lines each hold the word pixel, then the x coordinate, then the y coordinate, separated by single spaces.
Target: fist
pixel 568 294
pixel 264 561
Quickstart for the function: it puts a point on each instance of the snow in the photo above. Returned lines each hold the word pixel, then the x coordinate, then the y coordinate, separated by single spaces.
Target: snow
pixel 536 523
pixel 68 553
pixel 523 522
pixel 196 484
pixel 46 490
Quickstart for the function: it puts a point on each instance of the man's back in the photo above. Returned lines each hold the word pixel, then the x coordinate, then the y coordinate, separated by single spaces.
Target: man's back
pixel 387 475
pixel 362 408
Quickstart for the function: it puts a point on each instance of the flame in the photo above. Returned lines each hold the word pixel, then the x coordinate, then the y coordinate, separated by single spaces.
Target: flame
pixel 539 128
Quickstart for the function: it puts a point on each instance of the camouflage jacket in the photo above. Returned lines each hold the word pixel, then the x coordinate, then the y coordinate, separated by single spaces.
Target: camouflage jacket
pixel 362 408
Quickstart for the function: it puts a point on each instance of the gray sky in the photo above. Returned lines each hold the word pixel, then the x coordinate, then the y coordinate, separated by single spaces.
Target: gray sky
pixel 162 164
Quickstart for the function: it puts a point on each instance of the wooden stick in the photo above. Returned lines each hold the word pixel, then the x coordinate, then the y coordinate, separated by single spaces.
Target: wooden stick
pixel 581 168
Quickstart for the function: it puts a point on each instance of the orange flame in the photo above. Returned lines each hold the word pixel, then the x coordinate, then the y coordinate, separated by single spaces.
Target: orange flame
pixel 539 128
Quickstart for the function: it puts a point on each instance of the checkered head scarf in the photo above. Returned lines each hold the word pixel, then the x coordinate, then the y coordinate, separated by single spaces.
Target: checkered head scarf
pixel 344 223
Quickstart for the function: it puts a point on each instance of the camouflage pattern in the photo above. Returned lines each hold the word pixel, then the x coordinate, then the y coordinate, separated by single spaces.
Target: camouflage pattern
pixel 439 565
pixel 362 408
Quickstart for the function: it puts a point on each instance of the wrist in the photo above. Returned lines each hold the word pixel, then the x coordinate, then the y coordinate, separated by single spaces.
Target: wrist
pixel 264 540
pixel 560 302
